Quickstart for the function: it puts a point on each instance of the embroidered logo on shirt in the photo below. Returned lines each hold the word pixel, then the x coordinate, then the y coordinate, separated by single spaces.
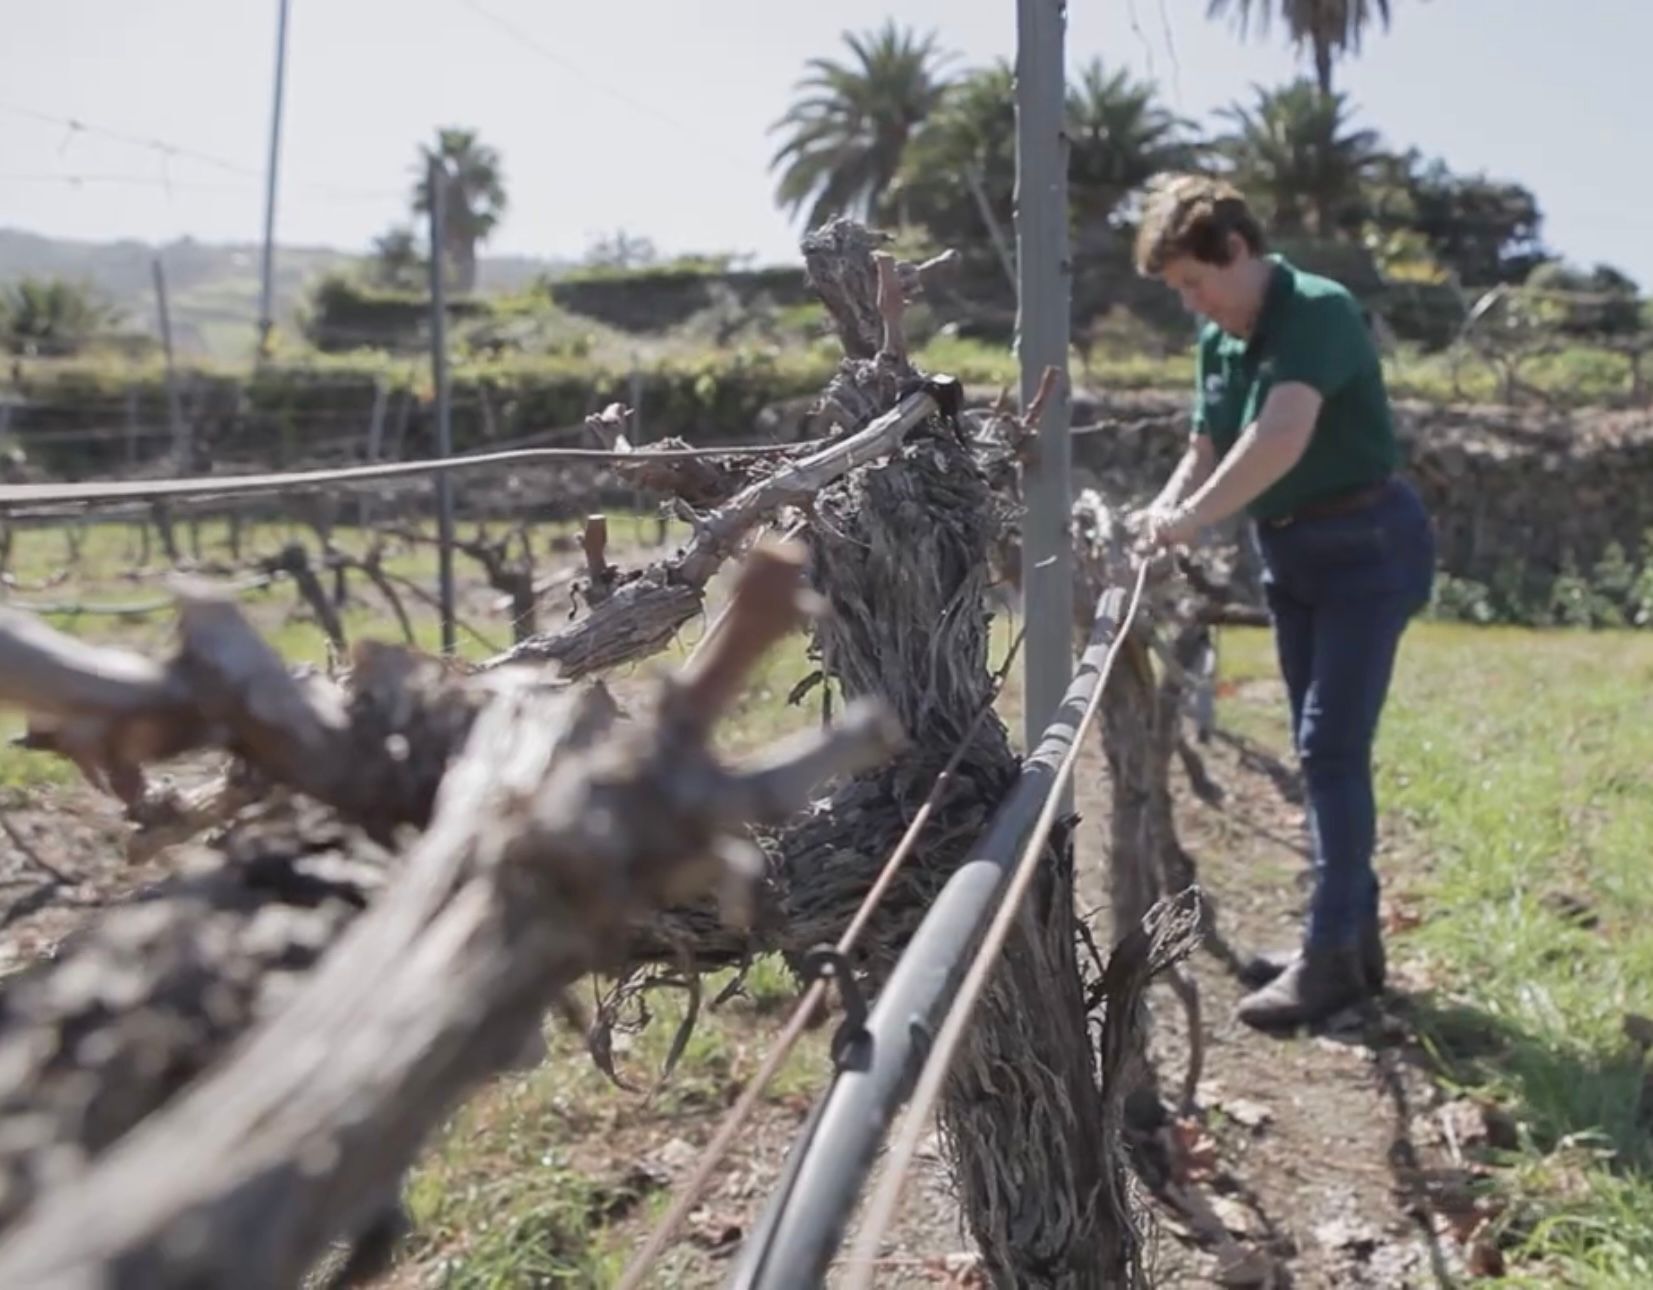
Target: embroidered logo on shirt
pixel 1214 386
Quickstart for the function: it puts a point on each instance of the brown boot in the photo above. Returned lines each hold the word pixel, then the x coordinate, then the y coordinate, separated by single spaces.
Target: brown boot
pixel 1263 966
pixel 1318 984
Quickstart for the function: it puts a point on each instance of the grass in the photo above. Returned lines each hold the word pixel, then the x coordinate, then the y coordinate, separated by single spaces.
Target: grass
pixel 1519 766
pixel 107 572
pixel 28 770
pixel 501 1203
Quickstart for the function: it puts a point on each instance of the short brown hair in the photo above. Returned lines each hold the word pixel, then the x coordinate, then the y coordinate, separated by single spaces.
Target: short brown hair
pixel 1193 215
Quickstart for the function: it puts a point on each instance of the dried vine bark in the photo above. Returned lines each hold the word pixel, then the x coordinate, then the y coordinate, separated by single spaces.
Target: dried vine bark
pixel 127 1013
pixel 294 561
pixel 554 826
pixel 900 552
pixel 1141 732
pixel 642 614
pixel 112 712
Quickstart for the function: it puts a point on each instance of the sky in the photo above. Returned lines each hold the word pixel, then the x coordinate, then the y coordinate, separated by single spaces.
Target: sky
pixel 653 115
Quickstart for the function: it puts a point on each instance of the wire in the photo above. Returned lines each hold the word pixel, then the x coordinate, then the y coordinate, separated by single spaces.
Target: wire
pixel 330 191
pixel 899 1161
pixel 142 181
pixel 167 151
pixel 1171 49
pixel 676 119
pixel 228 485
pixel 689 1194
pixel 76 126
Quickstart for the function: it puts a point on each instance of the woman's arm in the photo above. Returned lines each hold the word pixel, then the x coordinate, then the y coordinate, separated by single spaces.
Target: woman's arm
pixel 1197 463
pixel 1270 446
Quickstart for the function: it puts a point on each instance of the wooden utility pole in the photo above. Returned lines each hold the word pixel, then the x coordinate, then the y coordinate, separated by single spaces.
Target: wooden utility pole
pixel 1043 277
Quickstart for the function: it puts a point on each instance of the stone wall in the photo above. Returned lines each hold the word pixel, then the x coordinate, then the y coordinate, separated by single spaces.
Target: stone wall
pixel 1503 484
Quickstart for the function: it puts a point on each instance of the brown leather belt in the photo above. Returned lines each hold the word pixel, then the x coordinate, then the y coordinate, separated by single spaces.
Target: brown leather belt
pixel 1337 504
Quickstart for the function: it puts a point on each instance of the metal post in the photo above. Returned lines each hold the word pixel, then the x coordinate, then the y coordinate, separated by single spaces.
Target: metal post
pixel 375 443
pixel 439 372
pixel 265 300
pixel 1043 281
pixel 174 403
pixel 131 427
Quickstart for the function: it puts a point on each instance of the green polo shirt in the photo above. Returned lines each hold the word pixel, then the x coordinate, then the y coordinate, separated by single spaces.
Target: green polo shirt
pixel 1310 329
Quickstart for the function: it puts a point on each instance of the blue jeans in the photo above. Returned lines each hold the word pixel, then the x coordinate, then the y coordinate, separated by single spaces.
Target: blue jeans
pixel 1341 590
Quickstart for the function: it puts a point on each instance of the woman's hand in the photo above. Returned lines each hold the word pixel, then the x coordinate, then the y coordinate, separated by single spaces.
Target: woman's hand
pixel 1161 527
pixel 1178 526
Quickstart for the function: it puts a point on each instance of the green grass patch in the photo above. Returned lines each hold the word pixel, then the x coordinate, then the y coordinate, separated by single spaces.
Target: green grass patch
pixel 537 1182
pixel 29 770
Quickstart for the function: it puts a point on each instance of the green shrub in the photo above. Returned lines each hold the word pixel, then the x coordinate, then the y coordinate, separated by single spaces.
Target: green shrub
pixel 1616 592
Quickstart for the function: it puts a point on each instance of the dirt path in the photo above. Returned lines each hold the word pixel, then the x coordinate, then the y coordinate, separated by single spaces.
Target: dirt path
pixel 1315 1152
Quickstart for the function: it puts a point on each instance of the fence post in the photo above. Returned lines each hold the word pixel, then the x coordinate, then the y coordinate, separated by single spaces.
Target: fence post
pixel 266 291
pixel 131 427
pixel 375 442
pixel 439 372
pixel 1043 280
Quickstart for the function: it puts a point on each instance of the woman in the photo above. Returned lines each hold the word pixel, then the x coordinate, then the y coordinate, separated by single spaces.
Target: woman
pixel 1292 424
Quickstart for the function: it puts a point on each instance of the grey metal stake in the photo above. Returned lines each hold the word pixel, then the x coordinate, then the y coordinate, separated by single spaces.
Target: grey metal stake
pixel 1042 324
pixel 266 319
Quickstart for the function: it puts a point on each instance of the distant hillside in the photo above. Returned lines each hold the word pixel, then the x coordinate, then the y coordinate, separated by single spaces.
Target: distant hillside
pixel 213 289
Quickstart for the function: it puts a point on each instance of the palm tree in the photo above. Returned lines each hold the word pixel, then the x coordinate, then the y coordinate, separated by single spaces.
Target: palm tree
pixel 848 131
pixel 475 198
pixel 1119 137
pixel 958 174
pixel 1330 28
pixel 1294 154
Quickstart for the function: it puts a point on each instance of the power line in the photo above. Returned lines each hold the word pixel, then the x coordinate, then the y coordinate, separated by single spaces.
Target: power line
pixel 528 42
pixel 75 126
pixel 167 151
pixel 144 181
pixel 333 192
